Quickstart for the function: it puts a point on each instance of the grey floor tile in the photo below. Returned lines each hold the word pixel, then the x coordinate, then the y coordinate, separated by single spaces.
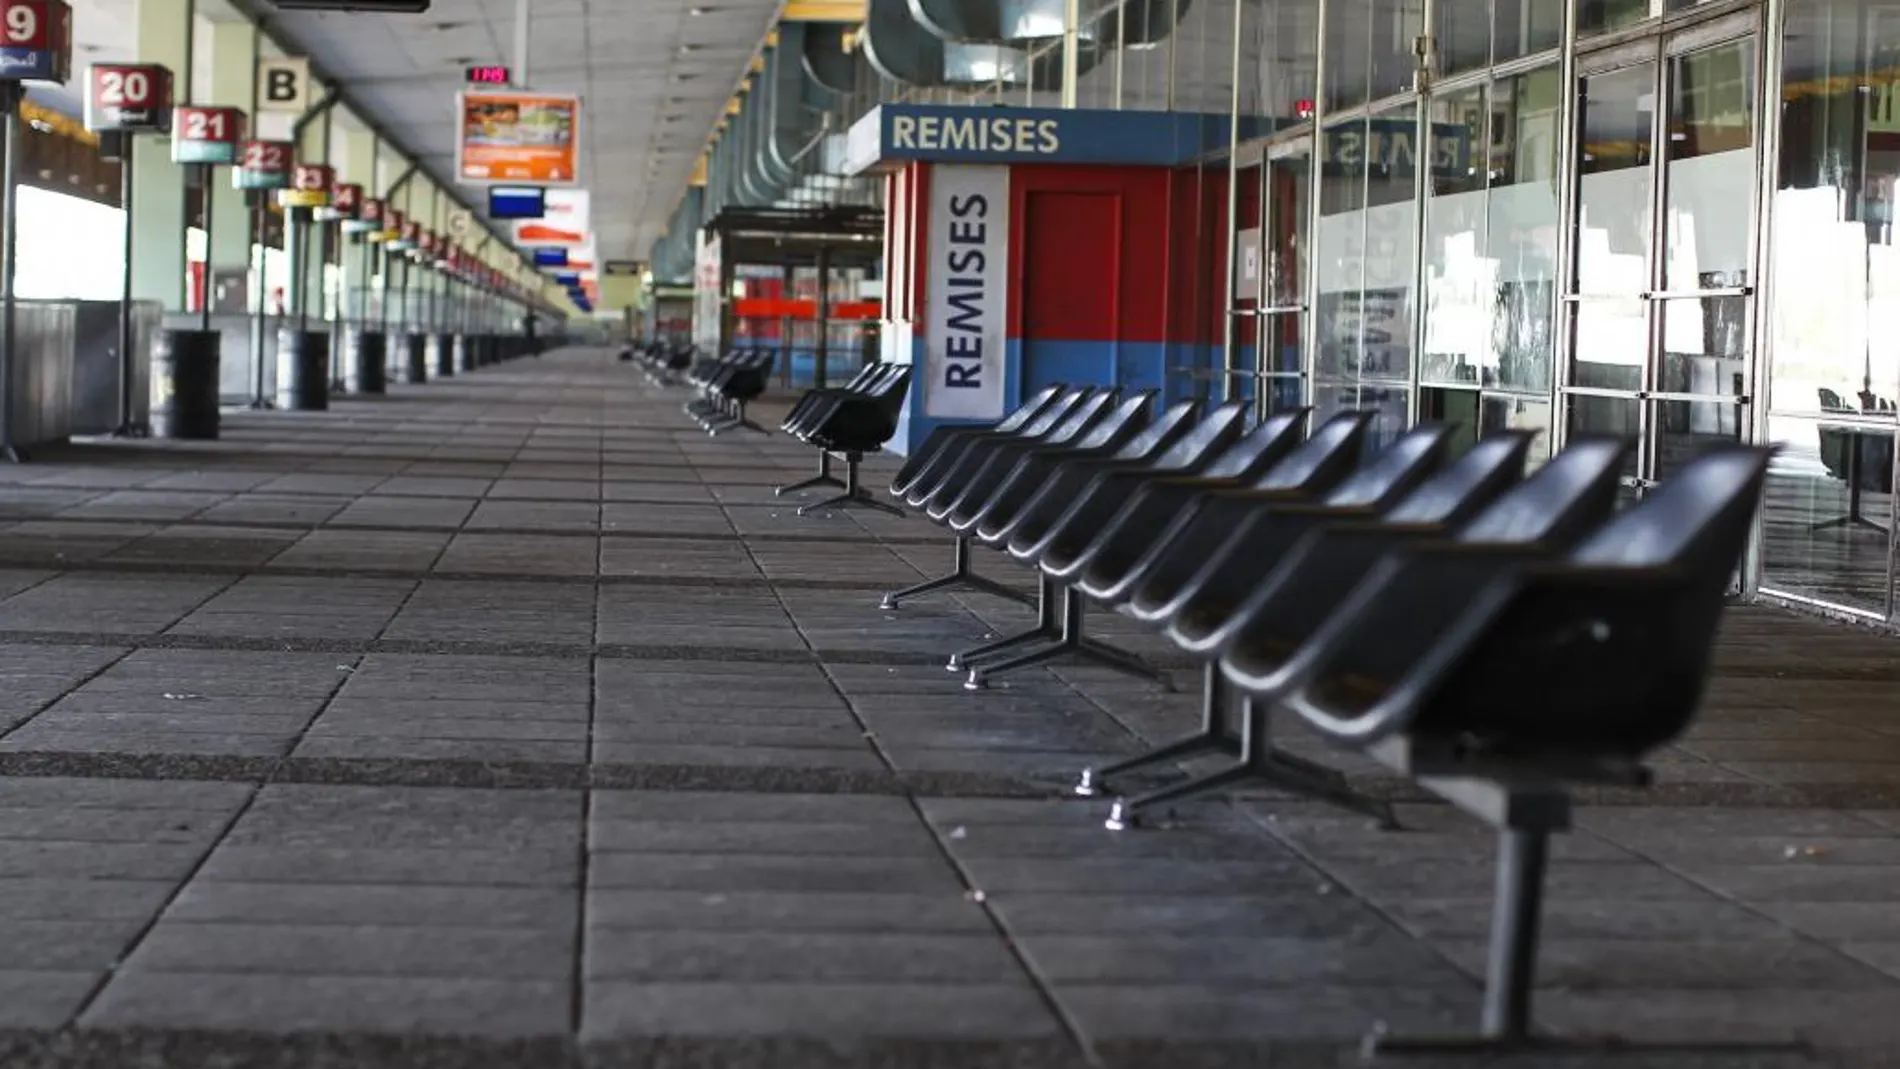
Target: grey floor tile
pixel 830 1011
pixel 262 1002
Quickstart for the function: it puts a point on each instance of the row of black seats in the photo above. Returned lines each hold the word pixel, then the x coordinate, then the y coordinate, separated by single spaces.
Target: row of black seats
pixel 1499 638
pixel 848 421
pixel 726 385
pixel 662 361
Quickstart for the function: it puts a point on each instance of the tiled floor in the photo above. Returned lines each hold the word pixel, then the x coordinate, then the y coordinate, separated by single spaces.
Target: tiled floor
pixel 507 721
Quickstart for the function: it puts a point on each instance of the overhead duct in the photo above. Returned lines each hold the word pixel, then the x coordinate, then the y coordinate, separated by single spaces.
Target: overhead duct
pixel 965 43
pixel 830 68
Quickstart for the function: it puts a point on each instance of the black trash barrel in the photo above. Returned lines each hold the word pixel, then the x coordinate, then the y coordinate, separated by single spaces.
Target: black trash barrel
pixel 185 384
pixel 416 366
pixel 366 367
pixel 303 370
pixel 442 354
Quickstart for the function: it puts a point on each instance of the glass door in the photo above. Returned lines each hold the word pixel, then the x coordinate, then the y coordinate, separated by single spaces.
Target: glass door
pixel 1281 308
pixel 1661 298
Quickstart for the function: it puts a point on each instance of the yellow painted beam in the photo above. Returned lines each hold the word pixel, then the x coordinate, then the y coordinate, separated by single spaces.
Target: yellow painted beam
pixel 699 171
pixel 824 11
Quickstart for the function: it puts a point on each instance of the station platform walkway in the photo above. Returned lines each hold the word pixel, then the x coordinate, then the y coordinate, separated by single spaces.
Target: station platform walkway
pixel 509 721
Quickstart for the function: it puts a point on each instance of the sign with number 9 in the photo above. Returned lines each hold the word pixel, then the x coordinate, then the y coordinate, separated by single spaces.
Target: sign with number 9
pixel 126 96
pixel 36 41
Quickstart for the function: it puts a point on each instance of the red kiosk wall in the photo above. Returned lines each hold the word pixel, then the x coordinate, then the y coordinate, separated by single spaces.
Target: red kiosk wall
pixel 1114 275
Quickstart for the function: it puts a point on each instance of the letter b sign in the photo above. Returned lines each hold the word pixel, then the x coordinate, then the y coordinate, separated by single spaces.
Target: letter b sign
pixel 283 84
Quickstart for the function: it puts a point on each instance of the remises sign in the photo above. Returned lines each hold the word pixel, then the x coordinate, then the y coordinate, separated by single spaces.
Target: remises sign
pixel 896 133
pixel 128 96
pixel 966 308
pixel 206 135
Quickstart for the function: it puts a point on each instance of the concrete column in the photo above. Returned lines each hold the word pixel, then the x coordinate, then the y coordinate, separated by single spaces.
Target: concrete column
pixel 354 155
pixel 228 53
pixel 163 32
pixel 314 147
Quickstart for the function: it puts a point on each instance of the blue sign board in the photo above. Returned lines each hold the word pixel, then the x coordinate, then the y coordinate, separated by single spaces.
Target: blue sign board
pixel 944 134
pixel 567 278
pixel 550 257
pixel 30 65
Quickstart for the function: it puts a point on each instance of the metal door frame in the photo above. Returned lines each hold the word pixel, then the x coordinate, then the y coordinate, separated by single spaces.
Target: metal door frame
pixel 1657 46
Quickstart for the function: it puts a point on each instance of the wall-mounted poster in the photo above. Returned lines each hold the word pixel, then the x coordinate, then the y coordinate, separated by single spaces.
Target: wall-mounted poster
pixel 528 138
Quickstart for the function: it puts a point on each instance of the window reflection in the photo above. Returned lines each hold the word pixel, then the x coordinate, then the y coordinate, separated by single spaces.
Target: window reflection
pixel 1279 59
pixel 1365 247
pixel 1470 34
pixel 1491 232
pixel 1825 516
pixel 1613 222
pixel 1369 49
pixel 1603 16
pixel 1834 305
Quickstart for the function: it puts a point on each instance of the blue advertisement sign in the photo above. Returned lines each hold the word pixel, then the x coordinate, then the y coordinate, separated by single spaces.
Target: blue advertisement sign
pixel 945 134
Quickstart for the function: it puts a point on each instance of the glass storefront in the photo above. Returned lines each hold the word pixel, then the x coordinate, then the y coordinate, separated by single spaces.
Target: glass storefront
pixel 1668 219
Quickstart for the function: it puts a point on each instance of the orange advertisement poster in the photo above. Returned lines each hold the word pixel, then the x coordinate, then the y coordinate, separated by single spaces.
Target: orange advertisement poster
pixel 518 137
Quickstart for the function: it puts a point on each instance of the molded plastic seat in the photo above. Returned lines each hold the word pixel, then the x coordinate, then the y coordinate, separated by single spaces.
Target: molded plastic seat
pixel 1058 550
pixel 1445 501
pixel 972 449
pixel 862 423
pixel 809 404
pixel 1115 565
pixel 1225 546
pixel 1265 644
pixel 991 459
pixel 875 382
pixel 1176 432
pixel 1104 438
pixel 1602 653
pixel 944 437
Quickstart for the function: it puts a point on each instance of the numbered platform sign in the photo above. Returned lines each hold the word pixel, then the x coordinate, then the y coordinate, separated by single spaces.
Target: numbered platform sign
pixel 346 204
pixel 206 135
pixel 264 165
pixel 309 186
pixel 369 220
pixel 128 97
pixel 36 41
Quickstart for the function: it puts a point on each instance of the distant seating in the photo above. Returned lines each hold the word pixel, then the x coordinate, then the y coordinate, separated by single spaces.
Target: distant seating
pixel 848 422
pixel 663 362
pixel 726 386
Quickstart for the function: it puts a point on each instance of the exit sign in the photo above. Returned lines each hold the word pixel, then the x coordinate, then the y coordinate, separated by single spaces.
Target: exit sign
pixel 489 75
